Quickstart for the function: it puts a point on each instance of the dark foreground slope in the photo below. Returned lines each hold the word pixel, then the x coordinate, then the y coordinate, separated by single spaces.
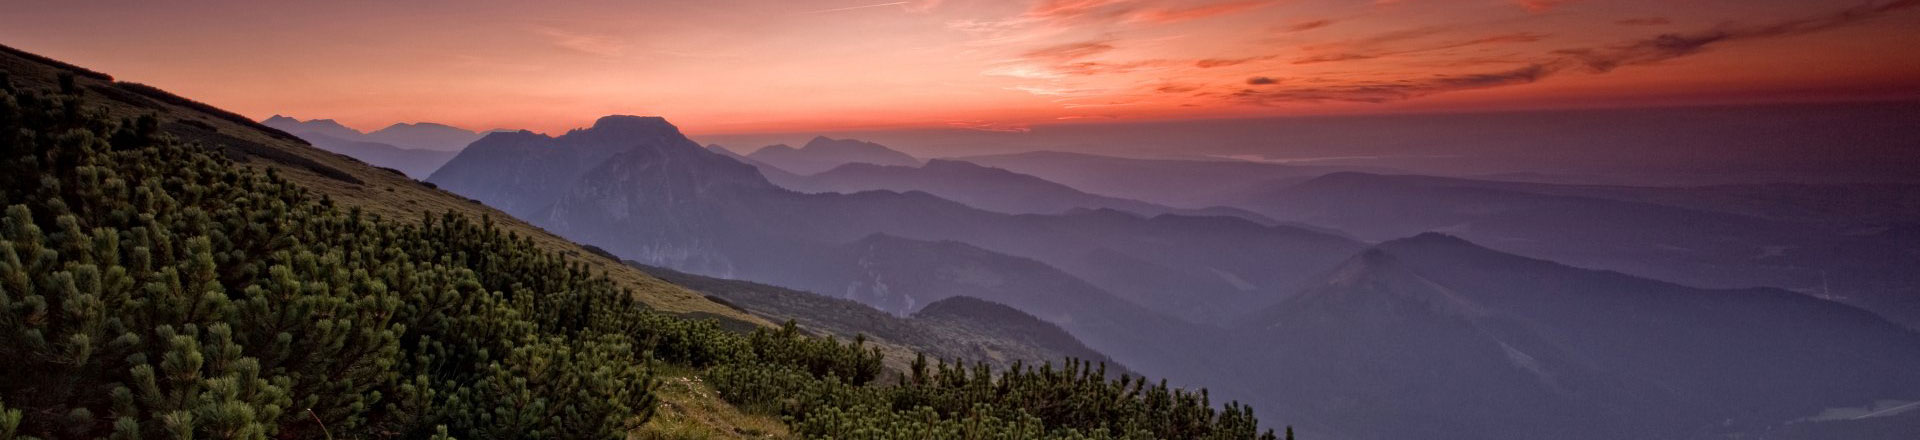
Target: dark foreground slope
pixel 192 296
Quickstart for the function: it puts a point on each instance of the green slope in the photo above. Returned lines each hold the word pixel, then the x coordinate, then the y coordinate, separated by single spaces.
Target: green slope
pixel 170 270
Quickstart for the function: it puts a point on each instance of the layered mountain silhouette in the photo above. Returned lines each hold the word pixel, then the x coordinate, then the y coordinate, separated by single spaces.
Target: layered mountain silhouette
pixel 1431 336
pixel 983 187
pixel 646 193
pixel 425 136
pixel 1184 183
pixel 326 127
pixel 637 188
pixel 952 328
pixel 1435 337
pixel 415 163
pixel 413 149
pixel 823 153
pixel 1725 236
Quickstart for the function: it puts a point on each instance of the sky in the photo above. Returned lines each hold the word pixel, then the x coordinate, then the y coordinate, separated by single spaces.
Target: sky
pixel 744 66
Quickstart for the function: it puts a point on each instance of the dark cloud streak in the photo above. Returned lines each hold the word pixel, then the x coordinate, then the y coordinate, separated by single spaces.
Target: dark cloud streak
pixel 1308 25
pixel 1669 46
pixel 1648 21
pixel 1633 53
pixel 1069 51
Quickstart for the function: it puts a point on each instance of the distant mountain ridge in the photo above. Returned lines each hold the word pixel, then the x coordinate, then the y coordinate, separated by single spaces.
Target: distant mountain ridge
pixel 1723 236
pixel 823 153
pixel 1181 183
pixel 950 329
pixel 983 187
pixel 426 136
pixel 1431 336
pixel 414 149
pixel 642 191
pixel 1463 340
pixel 661 199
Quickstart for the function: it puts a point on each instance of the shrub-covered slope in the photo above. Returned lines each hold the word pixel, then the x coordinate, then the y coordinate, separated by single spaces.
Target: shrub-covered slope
pixel 154 288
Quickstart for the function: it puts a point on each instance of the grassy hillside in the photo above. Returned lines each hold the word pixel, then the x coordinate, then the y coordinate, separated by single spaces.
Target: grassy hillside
pixel 163 278
pixel 346 180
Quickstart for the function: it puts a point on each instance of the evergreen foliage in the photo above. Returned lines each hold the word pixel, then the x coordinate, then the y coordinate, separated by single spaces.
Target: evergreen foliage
pixel 150 289
pixel 1075 401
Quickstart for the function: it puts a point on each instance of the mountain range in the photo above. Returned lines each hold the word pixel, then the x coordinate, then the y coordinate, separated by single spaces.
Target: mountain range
pixel 823 153
pixel 1450 339
pixel 1430 336
pixel 1857 247
pixel 990 332
pixel 983 187
pixel 1185 183
pixel 415 149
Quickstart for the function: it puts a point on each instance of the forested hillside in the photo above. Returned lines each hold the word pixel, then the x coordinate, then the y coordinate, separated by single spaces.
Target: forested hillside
pixel 154 288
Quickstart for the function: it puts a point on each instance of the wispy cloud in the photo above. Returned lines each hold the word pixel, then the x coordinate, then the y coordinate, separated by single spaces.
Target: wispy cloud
pixel 855 8
pixel 592 44
pixel 1210 63
pixel 1669 46
pixel 1178 14
pixel 1395 90
pixel 1539 6
pixel 989 126
pixel 1648 21
pixel 1053 91
pixel 1372 48
pixel 1307 25
pixel 1069 51
pixel 1645 51
pixel 1176 88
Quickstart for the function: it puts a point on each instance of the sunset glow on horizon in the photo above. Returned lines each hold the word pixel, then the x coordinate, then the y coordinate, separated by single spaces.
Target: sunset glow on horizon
pixel 772 65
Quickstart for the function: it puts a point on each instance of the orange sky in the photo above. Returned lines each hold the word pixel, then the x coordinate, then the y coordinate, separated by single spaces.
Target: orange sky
pixel 720 66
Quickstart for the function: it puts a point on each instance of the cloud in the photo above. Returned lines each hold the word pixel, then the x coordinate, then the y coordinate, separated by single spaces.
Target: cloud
pixel 1307 25
pixel 1382 39
pixel 1176 88
pixel 1063 60
pixel 601 45
pixel 1371 48
pixel 989 126
pixel 1024 71
pixel 1088 68
pixel 1072 10
pixel 1261 81
pixel 1069 51
pixel 1675 45
pixel 852 8
pixel 1399 90
pixel 1051 91
pixel 1539 6
pixel 1648 21
pixel 1598 61
pixel 1224 62
pixel 1171 15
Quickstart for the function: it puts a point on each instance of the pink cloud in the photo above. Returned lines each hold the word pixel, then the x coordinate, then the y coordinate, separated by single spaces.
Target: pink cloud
pixel 1539 6
pixel 1307 25
pixel 1069 51
pixel 1171 15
